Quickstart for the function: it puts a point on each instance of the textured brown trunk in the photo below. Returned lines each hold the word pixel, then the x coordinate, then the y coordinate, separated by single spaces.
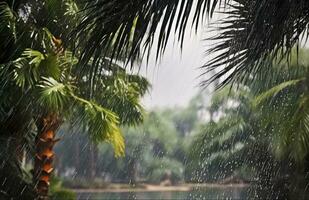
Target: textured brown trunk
pixel 43 162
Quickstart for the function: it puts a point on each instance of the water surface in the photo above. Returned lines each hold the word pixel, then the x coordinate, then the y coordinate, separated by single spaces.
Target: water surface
pixel 228 193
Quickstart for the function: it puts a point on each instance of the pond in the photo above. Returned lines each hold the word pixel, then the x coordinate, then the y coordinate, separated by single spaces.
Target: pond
pixel 204 193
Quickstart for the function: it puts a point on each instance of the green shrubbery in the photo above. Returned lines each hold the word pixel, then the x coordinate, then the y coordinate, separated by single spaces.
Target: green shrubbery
pixel 165 168
pixel 63 194
pixel 81 183
pixel 58 192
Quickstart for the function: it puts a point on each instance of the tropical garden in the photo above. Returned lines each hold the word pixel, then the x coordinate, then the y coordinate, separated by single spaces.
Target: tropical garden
pixel 69 91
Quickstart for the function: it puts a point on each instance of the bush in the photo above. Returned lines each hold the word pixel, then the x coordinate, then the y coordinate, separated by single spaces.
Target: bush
pixel 163 168
pixel 82 183
pixel 63 194
pixel 57 192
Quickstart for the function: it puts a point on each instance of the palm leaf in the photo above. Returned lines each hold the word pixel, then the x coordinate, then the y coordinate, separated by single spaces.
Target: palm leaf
pixel 53 95
pixel 7 20
pixel 130 27
pixel 101 124
pixel 272 92
pixel 253 34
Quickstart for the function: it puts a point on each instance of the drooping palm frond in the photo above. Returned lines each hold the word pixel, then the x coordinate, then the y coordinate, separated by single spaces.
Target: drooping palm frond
pixel 123 27
pixel 272 92
pixel 122 93
pixel 254 33
pixel 223 146
pixel 101 124
pixel 284 106
pixel 292 134
pixel 7 32
pixel 118 90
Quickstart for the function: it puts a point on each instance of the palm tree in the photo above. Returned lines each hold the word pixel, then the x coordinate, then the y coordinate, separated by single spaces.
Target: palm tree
pixel 54 97
pixel 269 125
pixel 225 143
pixel 40 89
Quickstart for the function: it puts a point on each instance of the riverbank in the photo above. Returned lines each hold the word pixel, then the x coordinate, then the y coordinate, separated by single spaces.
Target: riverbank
pixel 157 188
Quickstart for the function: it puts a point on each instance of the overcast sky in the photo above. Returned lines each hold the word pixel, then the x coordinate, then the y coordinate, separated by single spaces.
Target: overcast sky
pixel 175 78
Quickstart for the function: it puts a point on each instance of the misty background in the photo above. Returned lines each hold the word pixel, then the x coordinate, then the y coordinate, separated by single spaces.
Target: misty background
pixel 176 76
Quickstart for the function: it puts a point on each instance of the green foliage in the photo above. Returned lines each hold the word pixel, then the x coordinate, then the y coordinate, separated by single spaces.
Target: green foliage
pixel 53 95
pixel 39 75
pixel 287 102
pixel 221 145
pixel 131 27
pixel 58 192
pixel 272 92
pixel 160 169
pixel 63 194
pixel 261 126
pixel 155 150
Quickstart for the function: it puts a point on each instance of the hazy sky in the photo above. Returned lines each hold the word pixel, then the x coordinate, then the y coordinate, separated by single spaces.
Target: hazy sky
pixel 175 78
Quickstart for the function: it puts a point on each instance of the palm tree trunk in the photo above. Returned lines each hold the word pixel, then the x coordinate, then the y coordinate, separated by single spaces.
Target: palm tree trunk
pixel 132 170
pixel 77 156
pixel 94 161
pixel 43 162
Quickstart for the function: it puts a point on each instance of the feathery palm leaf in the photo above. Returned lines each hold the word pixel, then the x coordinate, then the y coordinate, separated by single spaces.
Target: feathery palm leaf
pixel 126 28
pixel 285 107
pixel 253 33
pixel 101 124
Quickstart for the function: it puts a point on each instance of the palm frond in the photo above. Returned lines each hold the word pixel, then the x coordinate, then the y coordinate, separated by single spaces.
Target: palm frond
pixel 8 33
pixel 35 57
pixel 272 92
pixel 101 124
pixel 7 20
pixel 32 65
pixel 71 8
pixel 253 34
pixel 118 91
pixel 126 28
pixel 123 95
pixel 53 95
pixel 24 74
pixel 140 84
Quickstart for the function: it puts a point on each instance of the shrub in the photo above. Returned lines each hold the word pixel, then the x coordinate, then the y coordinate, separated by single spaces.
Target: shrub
pixel 160 168
pixel 63 194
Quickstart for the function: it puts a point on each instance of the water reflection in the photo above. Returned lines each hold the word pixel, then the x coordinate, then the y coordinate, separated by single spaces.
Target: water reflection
pixel 205 193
